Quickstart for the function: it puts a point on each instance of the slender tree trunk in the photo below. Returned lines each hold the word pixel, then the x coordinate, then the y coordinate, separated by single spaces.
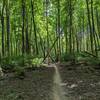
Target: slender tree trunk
pixel 59 27
pixel 70 30
pixel 89 21
pixel 30 35
pixel 98 21
pixel 2 23
pixel 34 24
pixel 83 25
pixel 93 29
pixel 48 44
pixel 27 37
pixel 66 33
pixel 8 28
pixel 23 26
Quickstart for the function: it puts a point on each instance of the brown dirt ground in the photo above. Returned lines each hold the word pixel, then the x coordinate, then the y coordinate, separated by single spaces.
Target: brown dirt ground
pixel 78 81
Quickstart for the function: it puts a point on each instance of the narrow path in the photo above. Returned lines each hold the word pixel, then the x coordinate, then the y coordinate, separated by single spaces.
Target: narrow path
pixel 57 88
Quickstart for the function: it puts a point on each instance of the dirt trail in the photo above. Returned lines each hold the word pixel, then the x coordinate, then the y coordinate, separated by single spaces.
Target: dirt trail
pixel 57 88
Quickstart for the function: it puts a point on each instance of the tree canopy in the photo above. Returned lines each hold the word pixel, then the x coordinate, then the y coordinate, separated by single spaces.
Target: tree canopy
pixel 49 27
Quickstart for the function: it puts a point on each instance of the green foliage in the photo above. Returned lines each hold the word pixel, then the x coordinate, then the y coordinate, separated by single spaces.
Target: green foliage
pixel 68 57
pixel 17 63
pixel 9 63
pixel 37 61
pixel 81 57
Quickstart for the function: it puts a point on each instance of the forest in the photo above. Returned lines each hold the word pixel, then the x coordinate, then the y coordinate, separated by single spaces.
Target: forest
pixel 49 50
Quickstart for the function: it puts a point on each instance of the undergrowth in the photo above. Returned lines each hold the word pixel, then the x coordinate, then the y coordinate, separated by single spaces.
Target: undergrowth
pixel 18 64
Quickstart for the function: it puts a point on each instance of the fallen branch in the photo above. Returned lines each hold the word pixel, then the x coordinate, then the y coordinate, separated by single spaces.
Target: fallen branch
pixel 50 49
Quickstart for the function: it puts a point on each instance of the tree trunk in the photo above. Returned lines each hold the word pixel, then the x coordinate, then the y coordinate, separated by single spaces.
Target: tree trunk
pixel 34 24
pixel 2 23
pixel 8 28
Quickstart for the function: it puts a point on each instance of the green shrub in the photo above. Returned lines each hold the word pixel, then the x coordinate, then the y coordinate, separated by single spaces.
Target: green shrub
pixel 37 61
pixel 67 57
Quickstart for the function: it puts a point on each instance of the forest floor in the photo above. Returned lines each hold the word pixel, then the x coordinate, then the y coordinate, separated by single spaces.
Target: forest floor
pixel 62 82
